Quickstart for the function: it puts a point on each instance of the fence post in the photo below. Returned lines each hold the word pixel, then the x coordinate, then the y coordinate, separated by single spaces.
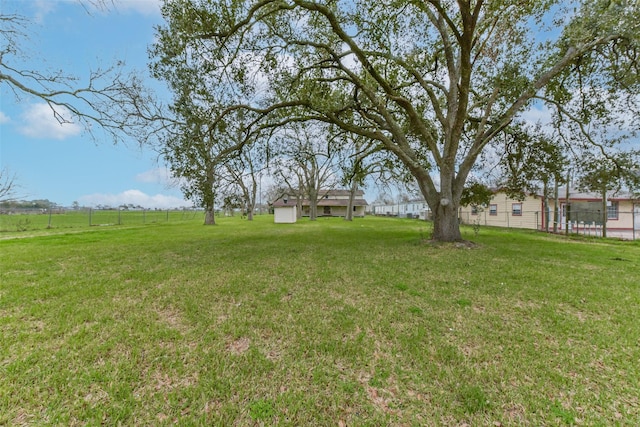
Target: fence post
pixel 49 225
pixel 90 217
pixel 119 215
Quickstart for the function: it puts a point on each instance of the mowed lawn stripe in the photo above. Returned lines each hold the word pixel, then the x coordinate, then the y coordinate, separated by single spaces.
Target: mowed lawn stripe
pixel 324 323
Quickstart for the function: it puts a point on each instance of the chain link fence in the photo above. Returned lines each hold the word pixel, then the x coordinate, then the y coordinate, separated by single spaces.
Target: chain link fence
pixel 37 219
pixel 622 225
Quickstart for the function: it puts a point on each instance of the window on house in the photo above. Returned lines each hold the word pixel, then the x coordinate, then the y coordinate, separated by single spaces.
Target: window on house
pixel 612 210
pixel 493 210
pixel 474 210
pixel 354 208
pixel 516 209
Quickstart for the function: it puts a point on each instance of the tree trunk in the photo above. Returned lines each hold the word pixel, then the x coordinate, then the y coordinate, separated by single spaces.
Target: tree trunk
pixel 446 227
pixel 545 213
pixel 545 205
pixel 605 213
pixel 313 210
pixel 556 207
pixel 249 203
pixel 352 194
pixel 567 206
pixel 313 204
pixel 252 202
pixel 443 205
pixel 209 217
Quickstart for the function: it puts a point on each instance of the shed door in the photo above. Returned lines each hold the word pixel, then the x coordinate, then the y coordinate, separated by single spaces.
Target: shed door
pixel 636 217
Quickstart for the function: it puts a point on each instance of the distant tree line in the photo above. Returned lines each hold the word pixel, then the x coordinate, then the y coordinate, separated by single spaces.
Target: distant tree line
pixel 27 204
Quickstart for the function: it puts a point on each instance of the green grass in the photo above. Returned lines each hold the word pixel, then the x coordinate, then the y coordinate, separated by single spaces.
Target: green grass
pixel 94 217
pixel 316 323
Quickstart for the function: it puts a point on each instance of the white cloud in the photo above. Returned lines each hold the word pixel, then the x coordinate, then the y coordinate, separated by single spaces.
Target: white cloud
pixel 350 61
pixel 39 121
pixel 4 118
pixel 157 176
pixel 144 7
pixel 537 113
pixel 135 197
pixel 42 8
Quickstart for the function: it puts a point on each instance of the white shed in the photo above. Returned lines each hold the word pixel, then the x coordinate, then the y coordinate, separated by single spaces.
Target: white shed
pixel 284 214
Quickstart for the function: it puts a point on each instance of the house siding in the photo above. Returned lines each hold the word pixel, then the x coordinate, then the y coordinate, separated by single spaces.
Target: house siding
pixel 624 221
pixel 332 203
pixel 585 217
pixel 530 213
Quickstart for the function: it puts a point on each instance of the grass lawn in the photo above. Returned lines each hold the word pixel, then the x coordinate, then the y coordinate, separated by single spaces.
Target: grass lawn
pixel 90 217
pixel 316 323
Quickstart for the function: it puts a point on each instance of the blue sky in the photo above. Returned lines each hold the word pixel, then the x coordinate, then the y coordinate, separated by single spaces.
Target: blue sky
pixel 62 163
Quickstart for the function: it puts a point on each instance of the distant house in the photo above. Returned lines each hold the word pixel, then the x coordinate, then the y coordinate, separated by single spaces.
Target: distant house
pixel 331 203
pixel 585 211
pixel 583 216
pixel 416 208
pixel 504 211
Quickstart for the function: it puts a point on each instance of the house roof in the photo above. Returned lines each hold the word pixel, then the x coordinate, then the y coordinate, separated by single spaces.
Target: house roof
pixel 328 197
pixel 338 202
pixel 497 190
pixel 334 192
pixel 575 194
pixel 321 202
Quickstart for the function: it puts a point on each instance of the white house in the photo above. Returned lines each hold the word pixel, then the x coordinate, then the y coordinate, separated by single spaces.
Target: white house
pixel 416 208
pixel 331 203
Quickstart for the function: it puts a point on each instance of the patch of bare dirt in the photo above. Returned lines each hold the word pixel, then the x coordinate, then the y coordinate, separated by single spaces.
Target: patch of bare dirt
pixel 172 317
pixel 239 346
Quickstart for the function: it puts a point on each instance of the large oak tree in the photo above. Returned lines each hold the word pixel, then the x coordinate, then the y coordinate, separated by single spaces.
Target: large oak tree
pixel 432 82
